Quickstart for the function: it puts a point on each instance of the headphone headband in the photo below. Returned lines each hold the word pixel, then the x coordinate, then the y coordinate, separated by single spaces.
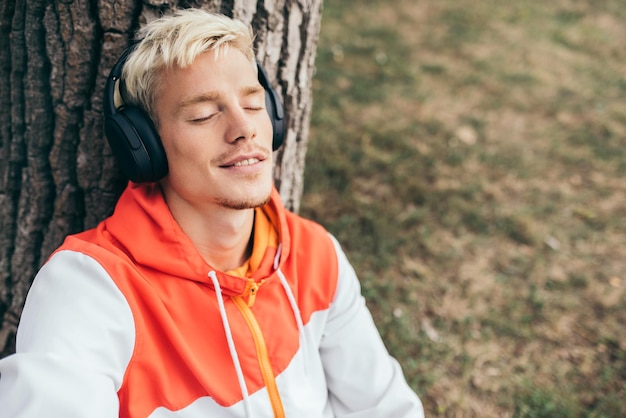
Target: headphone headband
pixel 115 75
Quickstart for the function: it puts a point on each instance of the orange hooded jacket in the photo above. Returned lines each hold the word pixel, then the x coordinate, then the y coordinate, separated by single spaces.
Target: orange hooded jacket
pixel 128 320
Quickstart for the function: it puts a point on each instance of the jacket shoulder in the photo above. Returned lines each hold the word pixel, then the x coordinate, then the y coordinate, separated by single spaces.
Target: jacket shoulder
pixel 312 266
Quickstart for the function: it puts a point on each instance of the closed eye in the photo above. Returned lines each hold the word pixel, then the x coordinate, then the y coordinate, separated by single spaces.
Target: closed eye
pixel 202 119
pixel 253 98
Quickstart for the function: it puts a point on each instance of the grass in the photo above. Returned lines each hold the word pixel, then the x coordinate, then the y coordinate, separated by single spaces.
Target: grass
pixel 471 158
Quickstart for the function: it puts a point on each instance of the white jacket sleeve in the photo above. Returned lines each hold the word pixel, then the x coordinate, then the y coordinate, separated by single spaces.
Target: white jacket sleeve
pixel 74 342
pixel 363 379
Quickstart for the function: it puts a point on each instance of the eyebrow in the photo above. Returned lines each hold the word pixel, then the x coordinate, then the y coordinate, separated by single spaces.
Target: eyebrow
pixel 198 98
pixel 250 90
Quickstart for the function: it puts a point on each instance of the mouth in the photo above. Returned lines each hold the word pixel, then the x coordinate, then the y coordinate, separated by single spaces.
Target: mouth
pixel 241 160
pixel 249 161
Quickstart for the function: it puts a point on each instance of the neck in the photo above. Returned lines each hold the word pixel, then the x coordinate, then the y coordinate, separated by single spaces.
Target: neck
pixel 222 236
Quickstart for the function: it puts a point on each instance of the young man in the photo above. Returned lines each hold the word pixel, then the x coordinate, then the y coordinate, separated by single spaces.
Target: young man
pixel 201 296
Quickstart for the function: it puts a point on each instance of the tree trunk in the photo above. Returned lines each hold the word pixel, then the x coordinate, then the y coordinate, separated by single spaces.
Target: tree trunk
pixel 57 174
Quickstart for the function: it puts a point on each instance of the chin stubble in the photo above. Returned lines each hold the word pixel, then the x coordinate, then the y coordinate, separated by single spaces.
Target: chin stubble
pixel 241 204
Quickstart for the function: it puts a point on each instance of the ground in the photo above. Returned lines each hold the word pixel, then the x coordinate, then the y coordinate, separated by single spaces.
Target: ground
pixel 471 158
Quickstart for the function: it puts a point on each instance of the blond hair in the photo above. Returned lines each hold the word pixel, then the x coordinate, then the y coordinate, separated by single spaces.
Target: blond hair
pixel 176 41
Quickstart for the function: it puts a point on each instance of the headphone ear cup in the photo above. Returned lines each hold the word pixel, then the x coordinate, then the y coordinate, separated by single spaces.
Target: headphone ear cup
pixel 136 144
pixel 274 108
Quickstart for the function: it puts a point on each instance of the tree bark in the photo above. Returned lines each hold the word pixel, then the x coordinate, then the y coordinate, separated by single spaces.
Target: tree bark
pixel 57 174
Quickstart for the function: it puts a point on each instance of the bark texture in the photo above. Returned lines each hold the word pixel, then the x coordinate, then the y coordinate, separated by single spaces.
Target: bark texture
pixel 57 174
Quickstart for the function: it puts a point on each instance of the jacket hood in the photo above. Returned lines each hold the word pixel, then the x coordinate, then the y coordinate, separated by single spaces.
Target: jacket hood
pixel 148 233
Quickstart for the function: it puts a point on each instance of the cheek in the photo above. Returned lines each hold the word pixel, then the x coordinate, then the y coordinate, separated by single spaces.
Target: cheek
pixel 183 142
pixel 266 126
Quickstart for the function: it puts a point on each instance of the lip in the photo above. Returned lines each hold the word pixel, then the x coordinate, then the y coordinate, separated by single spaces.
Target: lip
pixel 244 160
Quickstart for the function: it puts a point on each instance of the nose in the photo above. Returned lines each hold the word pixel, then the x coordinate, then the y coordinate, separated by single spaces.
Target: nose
pixel 241 125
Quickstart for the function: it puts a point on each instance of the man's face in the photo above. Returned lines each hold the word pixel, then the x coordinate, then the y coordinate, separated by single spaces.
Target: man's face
pixel 216 132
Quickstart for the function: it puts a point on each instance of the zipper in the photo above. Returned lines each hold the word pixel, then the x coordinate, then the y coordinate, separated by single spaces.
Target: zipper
pixel 261 348
pixel 251 289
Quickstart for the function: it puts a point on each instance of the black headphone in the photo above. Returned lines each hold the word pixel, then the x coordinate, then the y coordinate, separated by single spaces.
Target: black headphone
pixel 135 141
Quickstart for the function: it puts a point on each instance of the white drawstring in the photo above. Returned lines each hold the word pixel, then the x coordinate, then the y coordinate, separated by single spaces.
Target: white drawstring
pixel 296 314
pixel 231 344
pixel 294 307
pixel 279 251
